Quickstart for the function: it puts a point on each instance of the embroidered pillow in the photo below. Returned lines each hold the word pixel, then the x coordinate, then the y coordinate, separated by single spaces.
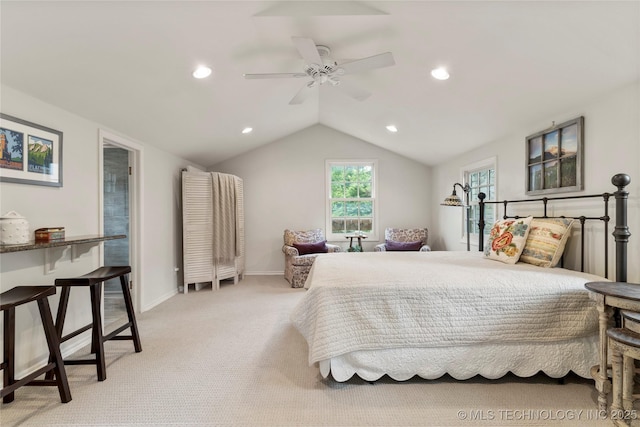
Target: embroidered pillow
pixel 390 245
pixel 507 239
pixel 311 248
pixel 546 241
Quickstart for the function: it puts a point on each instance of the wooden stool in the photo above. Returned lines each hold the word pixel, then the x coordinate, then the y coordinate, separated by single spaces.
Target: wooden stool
pixel 94 281
pixel 8 302
pixel 630 320
pixel 624 345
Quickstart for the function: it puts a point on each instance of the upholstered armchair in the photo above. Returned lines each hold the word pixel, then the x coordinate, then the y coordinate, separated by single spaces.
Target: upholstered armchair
pixel 404 239
pixel 300 250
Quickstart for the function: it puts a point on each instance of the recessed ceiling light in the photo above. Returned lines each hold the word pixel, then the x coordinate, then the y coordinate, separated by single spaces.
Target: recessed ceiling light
pixel 247 130
pixel 392 128
pixel 201 72
pixel 440 73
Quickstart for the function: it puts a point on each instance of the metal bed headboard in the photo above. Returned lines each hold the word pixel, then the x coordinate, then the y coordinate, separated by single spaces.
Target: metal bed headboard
pixel 620 233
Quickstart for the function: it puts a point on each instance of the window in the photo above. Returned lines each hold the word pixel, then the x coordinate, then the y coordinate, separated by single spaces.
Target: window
pixel 554 159
pixel 351 202
pixel 481 178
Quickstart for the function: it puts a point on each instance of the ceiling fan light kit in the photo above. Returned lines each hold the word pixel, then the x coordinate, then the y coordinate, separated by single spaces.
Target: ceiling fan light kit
pixel 322 69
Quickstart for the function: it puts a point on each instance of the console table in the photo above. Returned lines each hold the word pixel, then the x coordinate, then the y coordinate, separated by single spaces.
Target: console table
pixel 50 255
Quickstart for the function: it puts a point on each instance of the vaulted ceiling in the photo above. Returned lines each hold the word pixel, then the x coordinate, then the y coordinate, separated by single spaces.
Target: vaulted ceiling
pixel 128 65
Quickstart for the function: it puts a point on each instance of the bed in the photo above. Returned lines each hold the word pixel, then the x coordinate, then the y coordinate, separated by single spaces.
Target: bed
pixel 403 314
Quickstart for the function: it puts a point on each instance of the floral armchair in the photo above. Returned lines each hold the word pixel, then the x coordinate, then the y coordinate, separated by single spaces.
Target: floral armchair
pixel 300 250
pixel 404 239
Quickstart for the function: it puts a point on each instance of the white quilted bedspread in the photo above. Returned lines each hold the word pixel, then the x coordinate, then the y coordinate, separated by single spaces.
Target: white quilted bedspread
pixel 380 300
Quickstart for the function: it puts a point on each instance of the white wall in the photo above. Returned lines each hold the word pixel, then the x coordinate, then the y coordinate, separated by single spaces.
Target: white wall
pixel 611 145
pixel 284 187
pixel 76 207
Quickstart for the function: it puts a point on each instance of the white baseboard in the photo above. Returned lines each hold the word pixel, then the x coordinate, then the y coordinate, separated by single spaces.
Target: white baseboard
pixel 264 273
pixel 159 300
pixel 79 342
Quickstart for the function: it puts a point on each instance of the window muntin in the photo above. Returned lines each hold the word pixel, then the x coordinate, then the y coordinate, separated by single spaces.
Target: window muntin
pixel 554 159
pixel 351 198
pixel 481 179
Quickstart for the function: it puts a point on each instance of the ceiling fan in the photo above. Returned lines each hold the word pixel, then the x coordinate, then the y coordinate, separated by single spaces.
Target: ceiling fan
pixel 322 69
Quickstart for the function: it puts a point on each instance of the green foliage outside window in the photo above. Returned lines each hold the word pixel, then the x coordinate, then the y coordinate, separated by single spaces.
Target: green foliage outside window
pixel 351 198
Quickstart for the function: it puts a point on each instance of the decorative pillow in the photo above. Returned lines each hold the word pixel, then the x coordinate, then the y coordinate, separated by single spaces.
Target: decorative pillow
pixel 507 239
pixel 546 241
pixel 311 248
pixel 390 245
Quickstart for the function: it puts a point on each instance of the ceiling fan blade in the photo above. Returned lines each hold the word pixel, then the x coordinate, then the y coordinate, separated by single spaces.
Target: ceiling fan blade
pixel 274 75
pixel 354 91
pixel 370 63
pixel 302 94
pixel 307 49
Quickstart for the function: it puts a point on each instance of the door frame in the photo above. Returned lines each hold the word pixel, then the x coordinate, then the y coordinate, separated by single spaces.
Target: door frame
pixel 136 213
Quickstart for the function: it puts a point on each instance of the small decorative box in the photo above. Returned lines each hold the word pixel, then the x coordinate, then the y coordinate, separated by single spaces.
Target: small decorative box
pixel 51 234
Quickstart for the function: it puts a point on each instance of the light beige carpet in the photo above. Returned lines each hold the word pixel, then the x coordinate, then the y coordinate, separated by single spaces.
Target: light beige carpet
pixel 232 358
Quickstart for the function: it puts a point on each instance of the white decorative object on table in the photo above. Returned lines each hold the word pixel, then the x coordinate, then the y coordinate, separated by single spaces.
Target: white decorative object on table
pixel 14 229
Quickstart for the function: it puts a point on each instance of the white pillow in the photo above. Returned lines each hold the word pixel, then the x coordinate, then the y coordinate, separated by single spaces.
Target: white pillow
pixel 507 239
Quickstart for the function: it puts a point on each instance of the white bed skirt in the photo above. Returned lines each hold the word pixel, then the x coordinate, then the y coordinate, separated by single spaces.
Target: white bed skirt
pixel 462 362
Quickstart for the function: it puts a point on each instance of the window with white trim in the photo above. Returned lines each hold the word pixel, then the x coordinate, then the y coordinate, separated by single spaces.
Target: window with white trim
pixel 481 178
pixel 351 198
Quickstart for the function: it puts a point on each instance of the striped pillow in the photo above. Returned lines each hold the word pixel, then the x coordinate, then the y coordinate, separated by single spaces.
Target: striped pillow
pixel 546 241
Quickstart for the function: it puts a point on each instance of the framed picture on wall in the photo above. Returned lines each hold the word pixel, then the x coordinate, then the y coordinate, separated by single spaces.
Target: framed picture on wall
pixel 554 159
pixel 29 153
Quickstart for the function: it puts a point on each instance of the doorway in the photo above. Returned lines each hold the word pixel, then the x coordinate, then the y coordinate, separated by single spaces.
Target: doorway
pixel 116 203
pixel 121 194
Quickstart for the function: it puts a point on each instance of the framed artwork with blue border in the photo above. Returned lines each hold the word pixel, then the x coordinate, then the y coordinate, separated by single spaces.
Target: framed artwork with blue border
pixel 29 153
pixel 554 159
